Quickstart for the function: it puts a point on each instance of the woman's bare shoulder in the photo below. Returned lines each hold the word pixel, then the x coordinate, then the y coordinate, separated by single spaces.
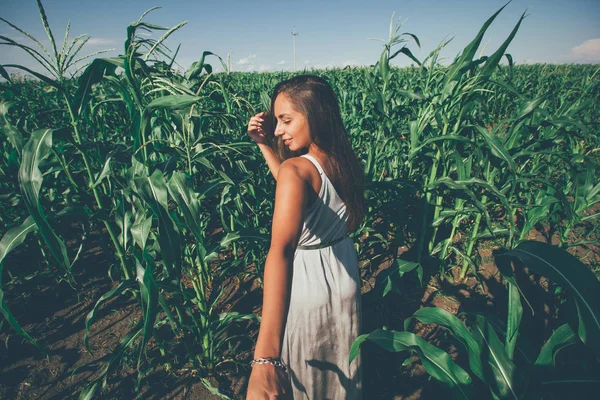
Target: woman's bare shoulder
pixel 298 166
pixel 300 172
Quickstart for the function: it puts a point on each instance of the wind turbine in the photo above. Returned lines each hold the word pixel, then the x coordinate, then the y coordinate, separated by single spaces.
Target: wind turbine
pixel 294 33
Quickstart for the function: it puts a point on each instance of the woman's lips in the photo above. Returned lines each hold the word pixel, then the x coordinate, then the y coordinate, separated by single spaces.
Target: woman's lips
pixel 287 142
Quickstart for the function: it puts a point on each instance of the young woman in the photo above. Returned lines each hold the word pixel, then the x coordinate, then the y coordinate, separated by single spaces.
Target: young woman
pixel 311 311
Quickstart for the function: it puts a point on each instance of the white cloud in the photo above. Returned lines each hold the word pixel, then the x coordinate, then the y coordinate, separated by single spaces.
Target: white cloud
pixel 310 65
pixel 329 65
pixel 588 51
pixel 264 67
pixel 282 62
pixel 246 60
pixel 99 42
pixel 351 63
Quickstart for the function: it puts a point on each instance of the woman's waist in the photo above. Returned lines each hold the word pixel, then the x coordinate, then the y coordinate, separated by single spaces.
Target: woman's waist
pixel 317 242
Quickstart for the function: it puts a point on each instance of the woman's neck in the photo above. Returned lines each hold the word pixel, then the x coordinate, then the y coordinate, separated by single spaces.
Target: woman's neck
pixel 316 152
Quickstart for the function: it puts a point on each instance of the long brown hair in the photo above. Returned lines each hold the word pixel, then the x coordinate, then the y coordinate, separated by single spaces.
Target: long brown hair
pixel 314 98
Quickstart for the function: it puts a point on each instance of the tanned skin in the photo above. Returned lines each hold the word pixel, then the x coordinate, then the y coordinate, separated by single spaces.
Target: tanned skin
pixel 298 185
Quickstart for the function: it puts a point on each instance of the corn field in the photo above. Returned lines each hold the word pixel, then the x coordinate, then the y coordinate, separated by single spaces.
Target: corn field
pixel 155 168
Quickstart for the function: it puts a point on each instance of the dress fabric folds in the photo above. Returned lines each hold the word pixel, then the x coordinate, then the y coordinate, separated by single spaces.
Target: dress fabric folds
pixel 324 316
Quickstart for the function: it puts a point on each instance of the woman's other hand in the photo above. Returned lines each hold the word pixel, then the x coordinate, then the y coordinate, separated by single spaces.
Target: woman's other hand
pixel 257 128
pixel 268 382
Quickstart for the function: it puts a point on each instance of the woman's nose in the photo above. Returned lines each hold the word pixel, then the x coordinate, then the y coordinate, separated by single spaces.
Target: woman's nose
pixel 278 131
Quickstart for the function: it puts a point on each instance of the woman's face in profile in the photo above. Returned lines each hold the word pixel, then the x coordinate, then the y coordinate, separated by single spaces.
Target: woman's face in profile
pixel 292 126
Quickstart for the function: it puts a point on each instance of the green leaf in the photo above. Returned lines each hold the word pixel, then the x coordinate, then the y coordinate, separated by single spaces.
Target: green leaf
pixel 123 221
pixel 92 75
pixel 499 370
pixel 528 107
pixel 515 312
pixel 247 234
pixel 496 147
pixel 388 280
pixel 11 239
pixel 103 174
pixel 561 338
pixel 165 307
pixel 445 138
pixel 188 203
pixel 12 133
pixel 4 74
pixel 406 51
pixel 411 95
pixel 436 362
pixel 35 151
pixel 171 102
pixel 438 316
pixel 128 341
pixel 153 190
pixel 117 290
pixel 567 271
pixel 141 229
pixel 149 295
pixel 493 60
pixel 41 77
pixel 462 187
pixel 469 52
pixel 197 67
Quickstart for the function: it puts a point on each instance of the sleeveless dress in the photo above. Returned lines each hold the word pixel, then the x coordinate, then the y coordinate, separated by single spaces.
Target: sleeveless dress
pixel 324 316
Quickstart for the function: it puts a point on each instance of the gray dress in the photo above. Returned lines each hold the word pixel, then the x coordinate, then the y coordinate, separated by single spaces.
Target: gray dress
pixel 324 315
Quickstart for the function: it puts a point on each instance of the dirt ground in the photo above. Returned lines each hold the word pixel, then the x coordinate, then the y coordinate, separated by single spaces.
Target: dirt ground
pixel 55 316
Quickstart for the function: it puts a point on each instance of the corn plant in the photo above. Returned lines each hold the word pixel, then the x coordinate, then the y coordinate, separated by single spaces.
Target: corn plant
pixel 506 372
pixel 131 187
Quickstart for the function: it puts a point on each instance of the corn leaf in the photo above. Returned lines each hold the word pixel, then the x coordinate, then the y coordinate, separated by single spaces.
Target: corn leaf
pixel 188 203
pixel 149 296
pixel 92 75
pixel 562 268
pixel 438 316
pixel 436 362
pixel 35 151
pixel 11 239
pixel 89 320
pixel 153 190
pixel 561 338
pixel 500 372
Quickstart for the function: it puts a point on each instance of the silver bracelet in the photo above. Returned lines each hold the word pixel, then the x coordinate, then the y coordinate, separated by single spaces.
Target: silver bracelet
pixel 268 360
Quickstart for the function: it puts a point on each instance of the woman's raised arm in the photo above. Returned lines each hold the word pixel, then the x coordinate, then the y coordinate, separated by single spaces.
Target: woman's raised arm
pixel 257 134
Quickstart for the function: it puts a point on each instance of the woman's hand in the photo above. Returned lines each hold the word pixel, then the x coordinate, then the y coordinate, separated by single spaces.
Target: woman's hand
pixel 258 127
pixel 255 128
pixel 268 382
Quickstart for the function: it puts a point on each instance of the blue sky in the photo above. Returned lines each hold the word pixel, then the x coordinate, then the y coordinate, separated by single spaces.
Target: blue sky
pixel 257 34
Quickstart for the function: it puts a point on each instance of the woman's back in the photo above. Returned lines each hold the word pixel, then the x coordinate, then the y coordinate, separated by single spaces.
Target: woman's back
pixel 326 218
